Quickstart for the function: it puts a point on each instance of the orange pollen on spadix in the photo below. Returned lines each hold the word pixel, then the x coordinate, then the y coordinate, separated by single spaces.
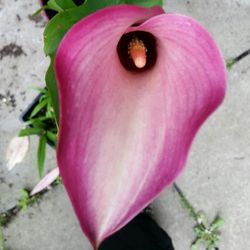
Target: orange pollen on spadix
pixel 138 52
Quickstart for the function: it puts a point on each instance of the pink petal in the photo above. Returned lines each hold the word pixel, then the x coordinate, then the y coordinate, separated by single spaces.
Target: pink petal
pixel 125 136
pixel 46 181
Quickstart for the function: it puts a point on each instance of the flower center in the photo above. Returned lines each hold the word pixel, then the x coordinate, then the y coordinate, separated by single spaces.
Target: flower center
pixel 137 51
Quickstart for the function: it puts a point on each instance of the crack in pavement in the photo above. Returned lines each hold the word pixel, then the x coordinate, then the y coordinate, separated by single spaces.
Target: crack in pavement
pixel 8 216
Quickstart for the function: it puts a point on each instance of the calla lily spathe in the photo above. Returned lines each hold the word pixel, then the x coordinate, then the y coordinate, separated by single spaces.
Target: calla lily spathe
pixel 125 135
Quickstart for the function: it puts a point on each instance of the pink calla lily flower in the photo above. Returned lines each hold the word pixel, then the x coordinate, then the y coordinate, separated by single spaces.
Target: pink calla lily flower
pixel 135 85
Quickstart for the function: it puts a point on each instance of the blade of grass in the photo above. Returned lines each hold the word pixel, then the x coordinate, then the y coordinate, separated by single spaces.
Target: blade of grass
pixel 52 137
pixel 30 131
pixel 41 153
pixel 39 107
pixel 38 122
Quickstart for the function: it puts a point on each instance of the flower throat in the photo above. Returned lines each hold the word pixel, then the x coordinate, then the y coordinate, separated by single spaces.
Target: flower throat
pixel 137 51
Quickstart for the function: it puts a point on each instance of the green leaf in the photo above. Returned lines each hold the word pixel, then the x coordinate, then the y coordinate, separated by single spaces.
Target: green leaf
pixel 39 107
pixel 52 88
pixel 41 153
pixel 39 122
pixel 144 3
pixel 52 4
pixel 217 223
pixel 58 26
pixel 24 199
pixel 198 230
pixel 196 243
pixel 30 131
pixel 52 137
pixel 61 5
pixel 202 219
pixel 50 111
pixel 65 4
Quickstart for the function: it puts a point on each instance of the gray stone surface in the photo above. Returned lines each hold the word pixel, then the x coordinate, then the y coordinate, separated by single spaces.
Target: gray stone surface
pixel 49 225
pixel 227 20
pixel 216 179
pixel 22 67
pixel 217 175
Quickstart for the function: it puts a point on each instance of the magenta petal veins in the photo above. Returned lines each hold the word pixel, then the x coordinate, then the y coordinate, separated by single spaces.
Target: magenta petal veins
pixel 125 135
